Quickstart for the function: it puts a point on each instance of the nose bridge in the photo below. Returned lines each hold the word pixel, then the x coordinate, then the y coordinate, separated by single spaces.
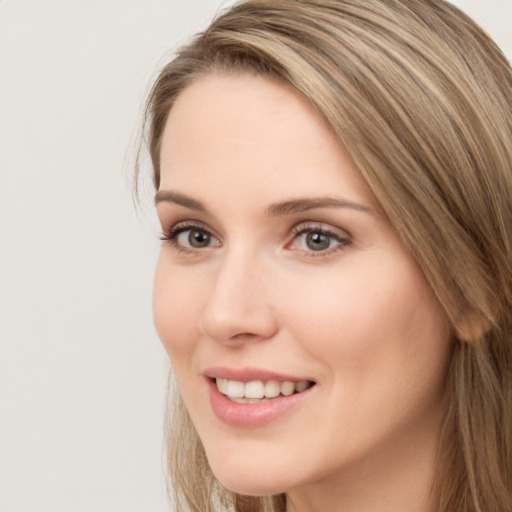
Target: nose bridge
pixel 239 307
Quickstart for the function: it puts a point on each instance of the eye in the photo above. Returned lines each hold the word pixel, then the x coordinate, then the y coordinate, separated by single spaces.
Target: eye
pixel 317 239
pixel 195 238
pixel 190 237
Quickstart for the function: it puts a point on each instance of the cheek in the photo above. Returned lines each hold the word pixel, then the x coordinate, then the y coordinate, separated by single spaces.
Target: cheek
pixel 382 354
pixel 370 323
pixel 176 310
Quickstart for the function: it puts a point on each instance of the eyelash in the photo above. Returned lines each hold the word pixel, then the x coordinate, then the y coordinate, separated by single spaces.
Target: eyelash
pixel 172 234
pixel 302 229
pixel 342 242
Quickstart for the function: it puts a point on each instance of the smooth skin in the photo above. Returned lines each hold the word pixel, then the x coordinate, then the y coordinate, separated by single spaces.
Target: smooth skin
pixel 278 257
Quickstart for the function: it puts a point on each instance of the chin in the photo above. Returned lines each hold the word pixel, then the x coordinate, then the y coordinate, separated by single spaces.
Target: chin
pixel 250 481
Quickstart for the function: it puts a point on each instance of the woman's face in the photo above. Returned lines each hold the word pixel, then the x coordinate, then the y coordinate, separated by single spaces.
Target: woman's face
pixel 279 267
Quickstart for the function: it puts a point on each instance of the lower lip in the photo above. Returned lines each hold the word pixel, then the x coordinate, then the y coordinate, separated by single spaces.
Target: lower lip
pixel 252 415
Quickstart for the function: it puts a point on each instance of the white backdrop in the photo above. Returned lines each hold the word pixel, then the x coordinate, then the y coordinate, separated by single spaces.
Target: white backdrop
pixel 81 370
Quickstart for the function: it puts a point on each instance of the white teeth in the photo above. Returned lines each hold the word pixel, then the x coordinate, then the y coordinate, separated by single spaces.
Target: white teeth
pixel 235 389
pixel 254 391
pixel 272 389
pixel 287 388
pixel 301 386
pixel 245 400
pixel 222 385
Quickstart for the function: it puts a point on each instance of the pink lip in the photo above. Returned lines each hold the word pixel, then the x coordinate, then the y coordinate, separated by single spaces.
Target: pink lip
pixel 251 415
pixel 248 374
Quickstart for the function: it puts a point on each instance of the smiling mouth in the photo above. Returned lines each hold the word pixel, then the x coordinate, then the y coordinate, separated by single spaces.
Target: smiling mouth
pixel 258 391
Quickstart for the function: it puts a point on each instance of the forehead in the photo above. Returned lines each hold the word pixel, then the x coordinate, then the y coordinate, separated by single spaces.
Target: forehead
pixel 250 133
pixel 239 111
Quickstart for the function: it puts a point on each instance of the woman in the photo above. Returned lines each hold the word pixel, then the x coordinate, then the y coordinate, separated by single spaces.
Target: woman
pixel 334 290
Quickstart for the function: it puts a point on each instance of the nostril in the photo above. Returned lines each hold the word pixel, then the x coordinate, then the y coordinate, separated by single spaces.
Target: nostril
pixel 244 336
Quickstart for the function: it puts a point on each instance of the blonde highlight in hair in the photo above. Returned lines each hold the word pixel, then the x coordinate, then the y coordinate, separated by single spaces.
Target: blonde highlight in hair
pixel 421 99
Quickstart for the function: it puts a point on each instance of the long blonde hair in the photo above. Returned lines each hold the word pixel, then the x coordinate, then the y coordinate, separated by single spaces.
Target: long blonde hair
pixel 421 99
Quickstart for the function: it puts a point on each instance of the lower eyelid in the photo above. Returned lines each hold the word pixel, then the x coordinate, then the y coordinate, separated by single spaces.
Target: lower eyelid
pixel 173 235
pixel 341 243
pixel 342 240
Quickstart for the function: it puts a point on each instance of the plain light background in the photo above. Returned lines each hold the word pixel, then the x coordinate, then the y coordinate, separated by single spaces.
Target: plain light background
pixel 82 373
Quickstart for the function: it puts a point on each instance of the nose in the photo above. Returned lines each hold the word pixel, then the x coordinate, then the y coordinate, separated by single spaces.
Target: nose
pixel 239 308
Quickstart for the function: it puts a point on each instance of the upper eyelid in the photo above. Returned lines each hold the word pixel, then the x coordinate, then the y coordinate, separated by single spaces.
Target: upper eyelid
pixel 297 229
pixel 172 214
pixel 320 226
pixel 184 225
pixel 171 235
pixel 342 236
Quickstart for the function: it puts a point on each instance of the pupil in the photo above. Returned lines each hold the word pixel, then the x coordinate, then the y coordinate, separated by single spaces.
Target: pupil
pixel 199 239
pixel 317 241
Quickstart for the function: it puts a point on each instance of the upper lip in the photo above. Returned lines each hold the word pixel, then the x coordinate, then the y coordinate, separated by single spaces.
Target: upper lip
pixel 248 374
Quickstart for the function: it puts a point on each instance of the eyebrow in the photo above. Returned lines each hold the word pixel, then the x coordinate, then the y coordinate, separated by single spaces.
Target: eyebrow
pixel 304 204
pixel 288 207
pixel 174 197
